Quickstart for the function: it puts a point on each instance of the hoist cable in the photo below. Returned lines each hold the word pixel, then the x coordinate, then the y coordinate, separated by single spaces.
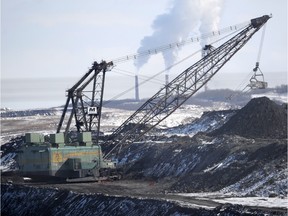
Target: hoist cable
pixel 144 81
pixel 261 43
pixel 257 67
pixel 132 74
pixel 168 68
pixel 177 45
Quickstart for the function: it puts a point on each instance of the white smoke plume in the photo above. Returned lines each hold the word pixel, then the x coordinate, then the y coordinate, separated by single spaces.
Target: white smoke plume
pixel 181 19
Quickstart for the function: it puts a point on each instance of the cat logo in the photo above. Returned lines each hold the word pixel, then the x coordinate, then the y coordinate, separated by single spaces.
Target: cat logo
pixel 92 110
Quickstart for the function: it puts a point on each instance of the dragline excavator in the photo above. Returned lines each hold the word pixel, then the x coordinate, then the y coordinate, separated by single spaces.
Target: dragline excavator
pixel 70 154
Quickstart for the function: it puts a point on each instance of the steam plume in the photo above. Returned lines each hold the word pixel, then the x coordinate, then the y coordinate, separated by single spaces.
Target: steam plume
pixel 181 19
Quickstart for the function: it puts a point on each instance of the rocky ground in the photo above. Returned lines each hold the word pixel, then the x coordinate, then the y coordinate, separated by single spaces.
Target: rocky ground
pixel 219 156
pixel 201 164
pixel 47 201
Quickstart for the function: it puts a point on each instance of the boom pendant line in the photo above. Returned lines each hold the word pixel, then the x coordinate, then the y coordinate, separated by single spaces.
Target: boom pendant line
pixel 174 94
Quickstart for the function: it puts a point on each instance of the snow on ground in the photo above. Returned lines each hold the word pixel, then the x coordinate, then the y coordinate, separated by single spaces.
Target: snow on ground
pixel 206 195
pixel 259 183
pixel 191 205
pixel 269 202
pixel 227 161
pixel 273 96
pixel 113 118
pixel 7 162
pixel 187 113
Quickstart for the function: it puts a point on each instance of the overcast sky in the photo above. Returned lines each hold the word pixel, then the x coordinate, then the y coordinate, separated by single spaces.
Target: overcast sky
pixel 61 38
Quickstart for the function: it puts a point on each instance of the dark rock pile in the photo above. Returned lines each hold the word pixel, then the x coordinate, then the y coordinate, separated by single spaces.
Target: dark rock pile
pixel 21 200
pixel 260 118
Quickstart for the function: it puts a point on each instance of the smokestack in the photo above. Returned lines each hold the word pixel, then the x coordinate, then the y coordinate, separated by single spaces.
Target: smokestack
pixel 176 24
pixel 136 88
pixel 166 79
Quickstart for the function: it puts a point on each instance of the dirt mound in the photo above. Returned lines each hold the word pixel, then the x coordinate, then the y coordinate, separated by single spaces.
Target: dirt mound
pixel 260 118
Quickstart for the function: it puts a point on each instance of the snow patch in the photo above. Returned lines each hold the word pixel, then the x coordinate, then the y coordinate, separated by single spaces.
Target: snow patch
pixel 270 202
pixel 7 162
pixel 220 197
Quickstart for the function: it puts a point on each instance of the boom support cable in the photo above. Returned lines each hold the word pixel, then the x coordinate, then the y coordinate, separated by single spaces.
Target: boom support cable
pixel 170 67
pixel 177 45
pixel 150 78
pixel 179 90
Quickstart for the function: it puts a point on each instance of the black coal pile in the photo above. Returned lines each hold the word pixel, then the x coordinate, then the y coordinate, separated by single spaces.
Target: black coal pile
pixel 12 146
pixel 22 200
pixel 260 118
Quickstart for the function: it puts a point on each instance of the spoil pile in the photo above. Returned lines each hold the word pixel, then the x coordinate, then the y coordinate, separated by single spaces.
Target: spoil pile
pixel 260 118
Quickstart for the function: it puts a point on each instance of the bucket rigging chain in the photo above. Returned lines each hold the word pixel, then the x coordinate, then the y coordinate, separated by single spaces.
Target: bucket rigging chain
pixel 257 80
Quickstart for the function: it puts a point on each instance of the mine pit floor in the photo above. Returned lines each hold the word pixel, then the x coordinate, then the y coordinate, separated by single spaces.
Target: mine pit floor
pixel 144 189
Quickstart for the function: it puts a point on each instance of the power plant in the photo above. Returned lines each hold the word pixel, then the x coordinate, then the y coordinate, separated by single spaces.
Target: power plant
pixel 137 98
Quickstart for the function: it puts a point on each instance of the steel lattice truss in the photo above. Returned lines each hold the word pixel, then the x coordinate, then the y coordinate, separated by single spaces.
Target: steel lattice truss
pixel 85 100
pixel 174 94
